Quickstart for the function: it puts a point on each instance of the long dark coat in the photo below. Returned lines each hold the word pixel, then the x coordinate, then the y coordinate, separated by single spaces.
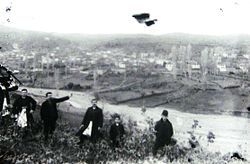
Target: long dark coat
pixel 164 132
pixel 27 102
pixel 96 116
pixel 116 134
pixel 49 110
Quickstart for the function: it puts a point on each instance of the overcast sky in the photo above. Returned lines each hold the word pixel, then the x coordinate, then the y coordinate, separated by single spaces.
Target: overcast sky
pixel 215 17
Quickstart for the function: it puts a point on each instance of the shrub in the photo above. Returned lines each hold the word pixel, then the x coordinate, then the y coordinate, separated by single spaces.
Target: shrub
pixel 137 147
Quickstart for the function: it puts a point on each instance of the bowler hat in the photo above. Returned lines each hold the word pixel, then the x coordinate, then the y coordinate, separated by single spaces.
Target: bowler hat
pixel 164 113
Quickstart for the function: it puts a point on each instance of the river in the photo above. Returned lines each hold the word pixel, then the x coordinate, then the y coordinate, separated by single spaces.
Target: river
pixel 232 133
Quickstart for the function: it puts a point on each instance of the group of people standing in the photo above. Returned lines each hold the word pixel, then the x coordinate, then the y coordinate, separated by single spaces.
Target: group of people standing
pixel 24 107
pixel 91 124
pixel 94 118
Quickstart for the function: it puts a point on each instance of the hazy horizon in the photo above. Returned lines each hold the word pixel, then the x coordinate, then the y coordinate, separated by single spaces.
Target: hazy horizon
pixel 208 17
pixel 16 29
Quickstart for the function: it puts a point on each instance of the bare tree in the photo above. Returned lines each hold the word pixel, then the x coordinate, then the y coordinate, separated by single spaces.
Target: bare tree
pixel 204 63
pixel 174 60
pixel 189 55
pixel 183 57
pixel 211 61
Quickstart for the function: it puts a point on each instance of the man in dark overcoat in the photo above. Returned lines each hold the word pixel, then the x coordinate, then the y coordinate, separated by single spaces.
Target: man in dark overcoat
pixel 25 102
pixel 164 132
pixel 49 113
pixel 94 116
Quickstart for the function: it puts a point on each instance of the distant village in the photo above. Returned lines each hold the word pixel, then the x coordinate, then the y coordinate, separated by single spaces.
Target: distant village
pixel 180 60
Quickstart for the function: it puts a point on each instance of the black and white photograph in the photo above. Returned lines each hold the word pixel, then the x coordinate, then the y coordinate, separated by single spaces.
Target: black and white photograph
pixel 124 81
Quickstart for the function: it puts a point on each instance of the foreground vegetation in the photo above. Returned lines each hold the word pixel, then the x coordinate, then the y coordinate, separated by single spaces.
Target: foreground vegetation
pixel 63 148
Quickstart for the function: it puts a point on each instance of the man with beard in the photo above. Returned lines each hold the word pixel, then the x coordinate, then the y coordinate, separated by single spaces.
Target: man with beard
pixel 164 132
pixel 93 117
pixel 49 113
pixel 26 103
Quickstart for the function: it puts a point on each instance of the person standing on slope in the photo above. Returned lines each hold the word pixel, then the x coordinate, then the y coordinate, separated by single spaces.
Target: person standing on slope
pixel 164 132
pixel 27 103
pixel 94 118
pixel 49 113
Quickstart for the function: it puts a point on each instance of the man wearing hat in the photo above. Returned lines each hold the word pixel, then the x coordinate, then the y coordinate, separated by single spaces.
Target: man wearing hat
pixel 164 132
